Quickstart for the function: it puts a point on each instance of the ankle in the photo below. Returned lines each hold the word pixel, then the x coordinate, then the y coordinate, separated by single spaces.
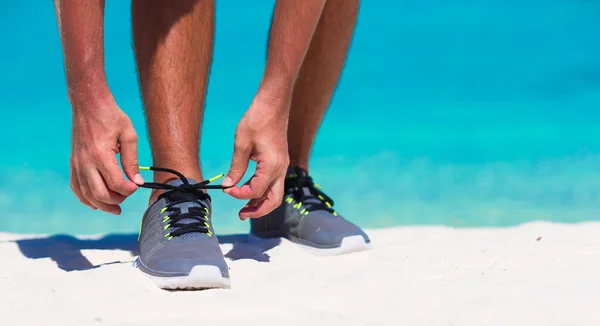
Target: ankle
pixel 165 177
pixel 303 165
pixel 154 195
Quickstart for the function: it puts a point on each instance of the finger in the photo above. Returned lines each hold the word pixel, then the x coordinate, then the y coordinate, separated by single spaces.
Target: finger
pixel 87 193
pixel 102 191
pixel 76 188
pixel 129 157
pixel 99 194
pixel 115 181
pixel 244 191
pixel 239 164
pixel 278 188
pixel 258 184
pixel 271 201
pixel 251 207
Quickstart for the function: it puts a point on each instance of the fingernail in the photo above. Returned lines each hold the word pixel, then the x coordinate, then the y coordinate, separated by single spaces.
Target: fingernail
pixel 227 182
pixel 138 179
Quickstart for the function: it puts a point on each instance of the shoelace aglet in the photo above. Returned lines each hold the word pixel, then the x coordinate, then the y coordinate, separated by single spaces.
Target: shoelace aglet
pixel 216 177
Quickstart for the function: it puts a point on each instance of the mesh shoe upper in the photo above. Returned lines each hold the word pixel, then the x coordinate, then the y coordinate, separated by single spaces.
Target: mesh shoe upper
pixel 306 215
pixel 177 233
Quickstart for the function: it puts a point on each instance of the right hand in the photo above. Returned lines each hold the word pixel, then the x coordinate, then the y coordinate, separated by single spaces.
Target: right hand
pixel 101 131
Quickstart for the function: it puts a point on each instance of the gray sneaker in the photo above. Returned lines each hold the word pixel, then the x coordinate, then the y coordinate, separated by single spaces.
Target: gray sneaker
pixel 178 246
pixel 306 217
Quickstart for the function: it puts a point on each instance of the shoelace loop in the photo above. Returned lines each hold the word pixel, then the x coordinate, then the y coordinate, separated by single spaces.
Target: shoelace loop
pixel 184 193
pixel 320 201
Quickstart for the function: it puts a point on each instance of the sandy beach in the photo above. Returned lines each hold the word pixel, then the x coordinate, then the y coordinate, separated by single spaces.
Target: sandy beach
pixel 533 274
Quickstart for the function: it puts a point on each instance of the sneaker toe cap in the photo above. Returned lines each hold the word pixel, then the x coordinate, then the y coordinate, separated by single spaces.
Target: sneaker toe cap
pixel 330 232
pixel 175 266
pixel 173 261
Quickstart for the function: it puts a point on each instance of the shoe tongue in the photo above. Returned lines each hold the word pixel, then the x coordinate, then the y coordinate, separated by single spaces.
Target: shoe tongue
pixel 310 200
pixel 179 182
pixel 296 172
pixel 184 207
pixel 177 196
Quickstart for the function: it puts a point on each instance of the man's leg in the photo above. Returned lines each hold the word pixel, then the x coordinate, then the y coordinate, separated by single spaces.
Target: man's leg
pixel 173 46
pixel 307 215
pixel 319 76
pixel 173 43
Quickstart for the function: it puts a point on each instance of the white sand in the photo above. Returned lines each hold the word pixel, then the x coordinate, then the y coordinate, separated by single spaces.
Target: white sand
pixel 413 276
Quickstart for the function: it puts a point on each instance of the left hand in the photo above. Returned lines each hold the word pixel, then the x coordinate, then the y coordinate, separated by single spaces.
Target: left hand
pixel 261 136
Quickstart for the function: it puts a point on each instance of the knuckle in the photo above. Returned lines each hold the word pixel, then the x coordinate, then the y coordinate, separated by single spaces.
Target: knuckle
pixel 278 161
pixel 119 188
pixel 111 181
pixel 130 161
pixel 240 146
pixel 106 171
pixel 130 137
pixel 261 187
pixel 96 154
pixel 84 161
pixel 100 195
pixel 278 169
pixel 259 193
pixel 283 162
pixel 75 162
pixel 130 166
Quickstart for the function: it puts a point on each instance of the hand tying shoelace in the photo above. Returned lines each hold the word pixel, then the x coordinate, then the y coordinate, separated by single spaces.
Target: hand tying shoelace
pixel 184 193
pixel 308 194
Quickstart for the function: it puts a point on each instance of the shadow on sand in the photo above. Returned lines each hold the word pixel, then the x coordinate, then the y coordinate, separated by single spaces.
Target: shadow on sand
pixel 65 250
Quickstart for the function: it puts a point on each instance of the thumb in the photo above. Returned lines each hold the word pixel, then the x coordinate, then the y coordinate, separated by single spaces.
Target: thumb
pixel 239 165
pixel 129 157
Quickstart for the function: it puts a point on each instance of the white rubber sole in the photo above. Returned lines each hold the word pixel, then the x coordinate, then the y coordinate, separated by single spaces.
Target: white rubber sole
pixel 348 245
pixel 201 277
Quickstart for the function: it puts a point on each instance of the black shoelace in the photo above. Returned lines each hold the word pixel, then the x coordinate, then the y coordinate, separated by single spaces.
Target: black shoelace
pixel 186 192
pixel 315 200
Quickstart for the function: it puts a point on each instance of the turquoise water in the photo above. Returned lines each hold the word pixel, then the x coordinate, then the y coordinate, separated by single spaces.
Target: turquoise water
pixel 462 113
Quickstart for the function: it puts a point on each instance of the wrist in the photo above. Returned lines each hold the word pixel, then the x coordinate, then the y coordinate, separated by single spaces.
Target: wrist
pixel 277 88
pixel 271 102
pixel 88 90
